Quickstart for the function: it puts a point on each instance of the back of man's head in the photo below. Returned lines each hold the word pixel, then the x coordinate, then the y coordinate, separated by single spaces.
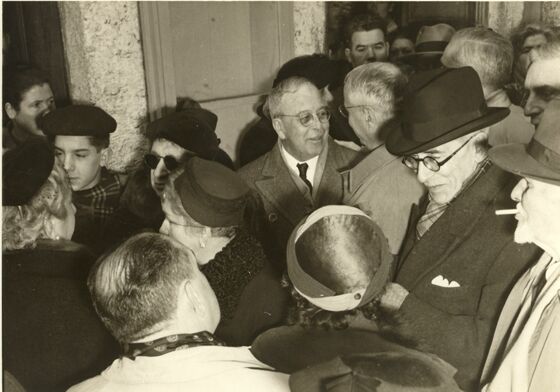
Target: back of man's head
pixel 363 22
pixel 135 287
pixel 489 53
pixel 377 85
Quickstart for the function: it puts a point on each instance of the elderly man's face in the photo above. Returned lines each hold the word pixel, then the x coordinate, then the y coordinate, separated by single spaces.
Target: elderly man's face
pixel 358 115
pixel 543 83
pixel 538 216
pixel 446 183
pixel 367 47
pixel 303 142
pixel 162 148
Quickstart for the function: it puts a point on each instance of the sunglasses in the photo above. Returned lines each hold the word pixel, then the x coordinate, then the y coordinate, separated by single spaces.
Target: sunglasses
pixel 152 161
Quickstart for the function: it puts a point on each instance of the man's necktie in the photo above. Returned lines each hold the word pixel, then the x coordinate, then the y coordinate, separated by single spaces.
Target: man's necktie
pixel 302 167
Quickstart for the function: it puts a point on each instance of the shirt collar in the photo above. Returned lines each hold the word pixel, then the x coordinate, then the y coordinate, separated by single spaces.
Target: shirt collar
pixel 292 163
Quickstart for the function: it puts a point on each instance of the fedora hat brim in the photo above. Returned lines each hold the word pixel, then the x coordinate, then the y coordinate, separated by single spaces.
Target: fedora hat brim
pixel 398 143
pixel 515 159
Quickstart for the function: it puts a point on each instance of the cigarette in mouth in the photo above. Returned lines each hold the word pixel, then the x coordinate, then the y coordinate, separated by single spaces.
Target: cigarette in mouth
pixel 506 212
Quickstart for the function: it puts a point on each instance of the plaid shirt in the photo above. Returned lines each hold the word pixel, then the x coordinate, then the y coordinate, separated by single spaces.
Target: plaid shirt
pixel 102 200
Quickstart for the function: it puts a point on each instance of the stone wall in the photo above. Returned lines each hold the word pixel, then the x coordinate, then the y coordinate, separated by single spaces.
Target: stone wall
pixel 105 68
pixel 309 27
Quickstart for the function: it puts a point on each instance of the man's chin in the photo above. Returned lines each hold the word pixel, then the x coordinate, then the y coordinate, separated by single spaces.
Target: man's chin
pixel 521 236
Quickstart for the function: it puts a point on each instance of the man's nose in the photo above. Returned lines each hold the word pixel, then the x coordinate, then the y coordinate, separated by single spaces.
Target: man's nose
pixel 164 229
pixel 371 53
pixel 532 105
pixel 518 190
pixel 69 163
pixel 423 173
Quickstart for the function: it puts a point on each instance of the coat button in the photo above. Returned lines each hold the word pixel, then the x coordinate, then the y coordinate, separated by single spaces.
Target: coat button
pixel 272 217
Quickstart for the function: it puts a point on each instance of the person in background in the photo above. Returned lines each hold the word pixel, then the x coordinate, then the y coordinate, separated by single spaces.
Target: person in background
pixel 27 95
pixel 525 38
pixel 51 337
pixel 338 266
pixel 206 208
pixel 80 135
pixel 428 49
pixel 524 355
pixel 380 184
pixel 365 39
pixel 327 75
pixel 383 9
pixel 166 324
pixel 457 262
pixel 301 173
pixel 491 56
pixel 401 45
pixel 543 80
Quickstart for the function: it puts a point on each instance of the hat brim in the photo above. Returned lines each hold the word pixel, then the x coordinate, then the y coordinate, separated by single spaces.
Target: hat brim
pixel 515 159
pixel 399 144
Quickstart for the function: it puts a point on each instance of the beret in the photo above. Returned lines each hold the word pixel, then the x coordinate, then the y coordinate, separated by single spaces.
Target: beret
pixel 77 120
pixel 26 168
pixel 192 128
pixel 212 194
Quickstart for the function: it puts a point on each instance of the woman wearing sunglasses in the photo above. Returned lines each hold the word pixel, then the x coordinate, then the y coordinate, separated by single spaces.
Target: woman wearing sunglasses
pixel 207 208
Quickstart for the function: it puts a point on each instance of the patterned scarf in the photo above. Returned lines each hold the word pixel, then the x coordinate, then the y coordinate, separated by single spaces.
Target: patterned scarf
pixel 170 344
pixel 101 200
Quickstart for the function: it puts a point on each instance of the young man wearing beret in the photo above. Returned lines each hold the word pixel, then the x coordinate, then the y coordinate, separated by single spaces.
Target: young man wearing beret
pixel 80 136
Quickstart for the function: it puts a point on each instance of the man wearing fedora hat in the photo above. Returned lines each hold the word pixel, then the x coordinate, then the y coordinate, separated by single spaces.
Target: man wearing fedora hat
pixel 430 44
pixel 457 262
pixel 525 351
pixel 491 56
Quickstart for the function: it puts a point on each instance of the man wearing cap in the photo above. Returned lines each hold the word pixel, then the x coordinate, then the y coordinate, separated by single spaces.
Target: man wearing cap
pixel 166 324
pixel 525 351
pixel 491 56
pixel 365 39
pixel 301 173
pixel 80 136
pixel 543 79
pixel 457 262
pixel 380 184
pixel 176 136
pixel 327 75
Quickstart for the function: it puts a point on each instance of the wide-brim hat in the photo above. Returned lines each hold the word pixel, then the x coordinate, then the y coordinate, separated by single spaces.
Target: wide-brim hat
pixel 77 120
pixel 212 194
pixel 440 105
pixel 314 285
pixel 540 158
pixel 192 129
pixel 25 170
pixel 431 42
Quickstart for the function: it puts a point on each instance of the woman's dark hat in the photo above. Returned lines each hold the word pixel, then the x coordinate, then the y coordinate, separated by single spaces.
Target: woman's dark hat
pixel 540 159
pixel 317 68
pixel 212 194
pixel 440 105
pixel 26 168
pixel 77 120
pixel 193 129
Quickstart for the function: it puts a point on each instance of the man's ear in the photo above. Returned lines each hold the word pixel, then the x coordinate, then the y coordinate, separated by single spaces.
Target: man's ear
pixel 10 110
pixel 193 298
pixel 278 126
pixel 387 46
pixel 105 156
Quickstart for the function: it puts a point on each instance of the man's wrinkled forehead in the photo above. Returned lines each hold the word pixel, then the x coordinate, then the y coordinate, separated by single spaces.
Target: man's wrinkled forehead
pixel 543 73
pixel 367 38
pixel 302 98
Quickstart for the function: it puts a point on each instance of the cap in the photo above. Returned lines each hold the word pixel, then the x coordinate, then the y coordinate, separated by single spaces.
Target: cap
pixel 77 120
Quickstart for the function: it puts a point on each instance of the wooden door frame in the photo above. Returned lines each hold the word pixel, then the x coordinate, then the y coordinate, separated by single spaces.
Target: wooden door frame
pixel 158 55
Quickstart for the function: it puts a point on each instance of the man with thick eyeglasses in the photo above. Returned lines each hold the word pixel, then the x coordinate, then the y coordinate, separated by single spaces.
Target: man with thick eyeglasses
pixel 301 172
pixel 458 260
pixel 379 185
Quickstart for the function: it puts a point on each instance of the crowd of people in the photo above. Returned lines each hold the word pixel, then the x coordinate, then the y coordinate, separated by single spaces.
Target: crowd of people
pixel 394 223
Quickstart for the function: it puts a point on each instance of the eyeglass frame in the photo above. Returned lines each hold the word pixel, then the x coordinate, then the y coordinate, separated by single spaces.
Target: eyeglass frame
pixel 343 110
pixel 313 116
pixel 439 163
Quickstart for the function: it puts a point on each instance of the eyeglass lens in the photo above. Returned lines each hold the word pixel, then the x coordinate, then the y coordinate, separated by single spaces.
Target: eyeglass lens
pixel 152 161
pixel 306 118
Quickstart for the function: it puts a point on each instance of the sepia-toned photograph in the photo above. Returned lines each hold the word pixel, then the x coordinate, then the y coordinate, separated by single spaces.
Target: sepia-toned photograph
pixel 275 196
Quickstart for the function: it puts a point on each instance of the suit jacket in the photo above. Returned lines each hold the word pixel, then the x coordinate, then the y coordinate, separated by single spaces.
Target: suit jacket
pixel 525 351
pixel 281 205
pixel 459 274
pixel 385 189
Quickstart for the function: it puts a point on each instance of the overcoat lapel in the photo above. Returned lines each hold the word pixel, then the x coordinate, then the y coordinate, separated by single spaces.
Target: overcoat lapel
pixel 277 186
pixel 449 231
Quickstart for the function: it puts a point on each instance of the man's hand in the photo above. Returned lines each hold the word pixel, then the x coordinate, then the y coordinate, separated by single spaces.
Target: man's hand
pixel 394 296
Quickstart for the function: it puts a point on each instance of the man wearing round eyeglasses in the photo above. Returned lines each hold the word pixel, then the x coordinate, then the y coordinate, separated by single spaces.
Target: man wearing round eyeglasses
pixel 175 137
pixel 301 172
pixel 458 260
